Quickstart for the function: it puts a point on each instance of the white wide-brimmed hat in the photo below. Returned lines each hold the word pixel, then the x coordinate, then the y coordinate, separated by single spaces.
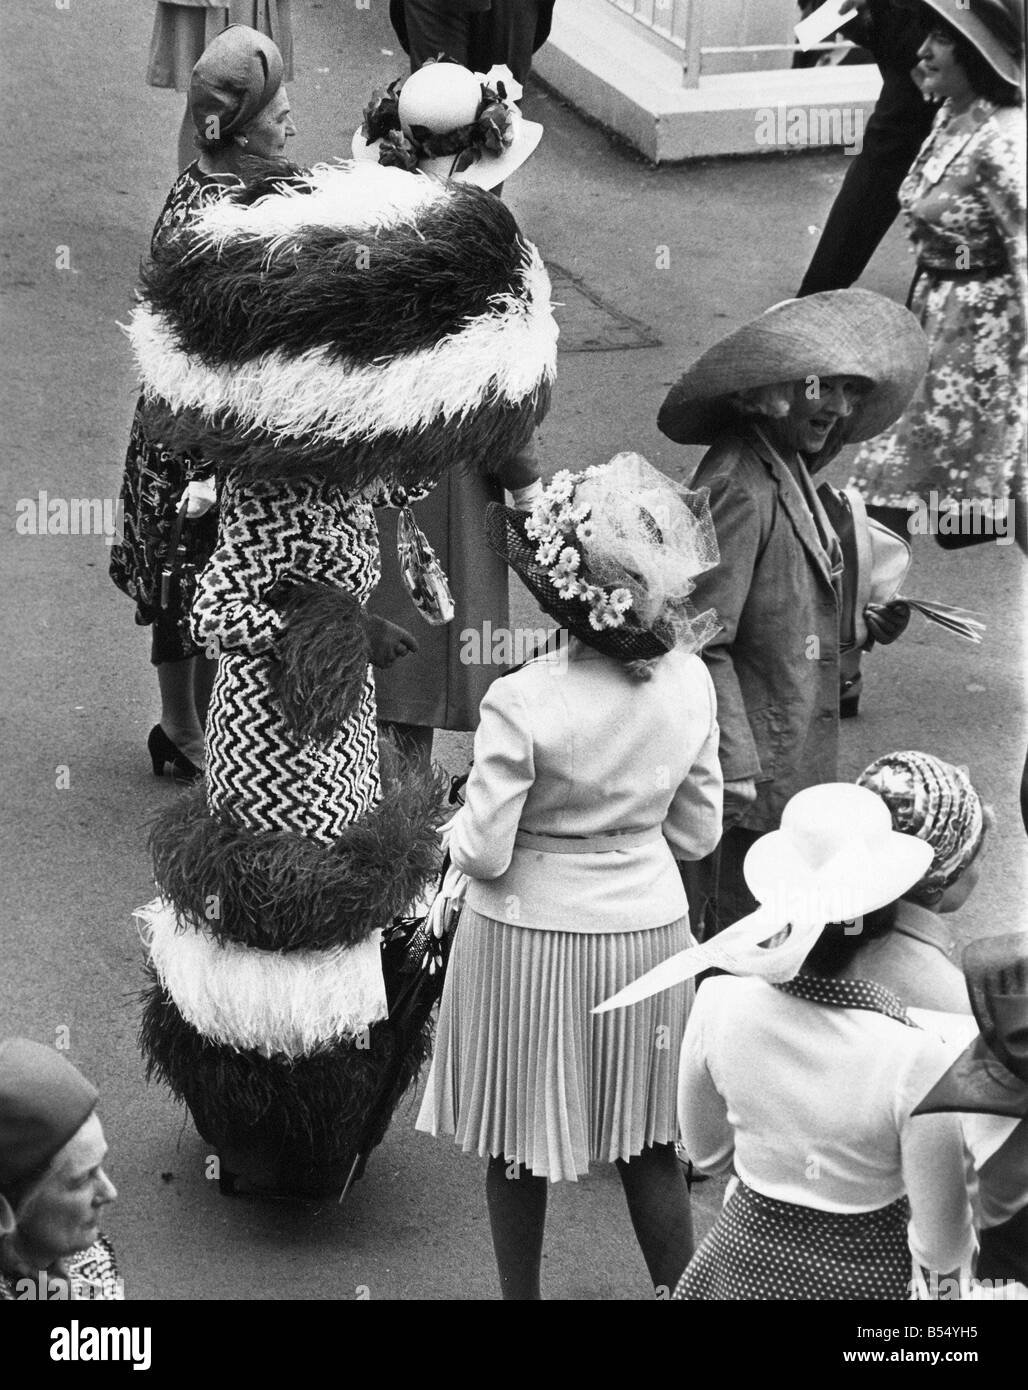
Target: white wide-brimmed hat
pixel 472 114
pixel 835 858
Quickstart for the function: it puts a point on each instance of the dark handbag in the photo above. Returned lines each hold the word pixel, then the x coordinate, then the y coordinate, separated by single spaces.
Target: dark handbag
pixel 184 557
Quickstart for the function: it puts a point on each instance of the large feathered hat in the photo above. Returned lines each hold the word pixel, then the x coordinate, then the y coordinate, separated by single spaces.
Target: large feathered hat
pixel 355 321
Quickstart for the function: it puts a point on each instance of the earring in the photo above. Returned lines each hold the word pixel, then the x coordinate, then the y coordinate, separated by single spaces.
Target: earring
pixel 242 140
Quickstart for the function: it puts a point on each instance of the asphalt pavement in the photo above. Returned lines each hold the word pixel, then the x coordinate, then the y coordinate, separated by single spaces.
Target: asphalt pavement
pixel 686 254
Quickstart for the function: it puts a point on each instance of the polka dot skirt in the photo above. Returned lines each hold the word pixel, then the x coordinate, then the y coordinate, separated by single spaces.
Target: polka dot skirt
pixel 763 1249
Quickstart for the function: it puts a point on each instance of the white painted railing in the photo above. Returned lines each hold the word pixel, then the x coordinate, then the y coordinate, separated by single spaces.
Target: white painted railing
pixel 695 30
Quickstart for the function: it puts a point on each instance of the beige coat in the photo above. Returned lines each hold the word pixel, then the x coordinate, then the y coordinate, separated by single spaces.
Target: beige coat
pixel 571 748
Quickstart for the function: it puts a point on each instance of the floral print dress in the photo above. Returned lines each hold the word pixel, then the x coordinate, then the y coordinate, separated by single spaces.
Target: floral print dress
pixel 155 477
pixel 963 435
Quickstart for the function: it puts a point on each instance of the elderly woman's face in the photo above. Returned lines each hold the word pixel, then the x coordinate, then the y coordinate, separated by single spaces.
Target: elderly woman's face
pixel 267 133
pixel 818 404
pixel 61 1215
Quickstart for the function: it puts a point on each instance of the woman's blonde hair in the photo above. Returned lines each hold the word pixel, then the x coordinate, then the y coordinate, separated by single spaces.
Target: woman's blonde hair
pixel 774 402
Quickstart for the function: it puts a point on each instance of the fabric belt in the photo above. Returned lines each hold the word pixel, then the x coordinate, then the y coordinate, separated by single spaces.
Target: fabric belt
pixel 977 272
pixel 587 844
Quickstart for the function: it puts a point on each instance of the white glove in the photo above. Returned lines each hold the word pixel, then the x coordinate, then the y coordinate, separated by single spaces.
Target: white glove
pixel 525 498
pixel 449 900
pixel 200 496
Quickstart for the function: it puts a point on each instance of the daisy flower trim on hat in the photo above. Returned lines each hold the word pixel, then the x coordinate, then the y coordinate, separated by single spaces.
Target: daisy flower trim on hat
pixel 556 521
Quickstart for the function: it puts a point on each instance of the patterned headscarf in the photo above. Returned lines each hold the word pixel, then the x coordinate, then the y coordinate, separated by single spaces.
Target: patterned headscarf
pixel 936 802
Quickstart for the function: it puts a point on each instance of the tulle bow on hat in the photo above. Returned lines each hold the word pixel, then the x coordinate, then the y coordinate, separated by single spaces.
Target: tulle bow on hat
pixel 835 858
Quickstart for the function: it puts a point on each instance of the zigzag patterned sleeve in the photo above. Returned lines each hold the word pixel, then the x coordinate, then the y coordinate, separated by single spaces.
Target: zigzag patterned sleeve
pixel 270 538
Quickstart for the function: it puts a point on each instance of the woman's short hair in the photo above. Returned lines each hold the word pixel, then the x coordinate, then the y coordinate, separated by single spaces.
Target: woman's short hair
pixel 837 945
pixel 984 78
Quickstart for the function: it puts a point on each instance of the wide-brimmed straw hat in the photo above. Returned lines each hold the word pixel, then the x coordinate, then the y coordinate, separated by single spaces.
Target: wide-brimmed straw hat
pixel 990 1077
pixel 450 122
pixel 835 858
pixel 849 333
pixel 994 28
pixel 236 76
pixel 611 554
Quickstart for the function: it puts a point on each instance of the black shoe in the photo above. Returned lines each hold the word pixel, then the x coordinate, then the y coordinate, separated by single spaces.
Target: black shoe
pixel 168 761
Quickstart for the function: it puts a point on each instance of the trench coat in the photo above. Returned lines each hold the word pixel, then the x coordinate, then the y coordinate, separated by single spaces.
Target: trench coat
pixel 775 660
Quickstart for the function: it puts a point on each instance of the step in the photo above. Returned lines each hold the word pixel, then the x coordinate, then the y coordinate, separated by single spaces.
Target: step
pixel 609 68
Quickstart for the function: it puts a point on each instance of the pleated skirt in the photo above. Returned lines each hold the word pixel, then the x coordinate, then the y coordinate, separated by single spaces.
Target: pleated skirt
pixel 182 32
pixel 523 1070
pixel 762 1249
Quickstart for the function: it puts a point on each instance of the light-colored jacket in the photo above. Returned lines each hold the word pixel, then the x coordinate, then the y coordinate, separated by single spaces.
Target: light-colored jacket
pixel 587 785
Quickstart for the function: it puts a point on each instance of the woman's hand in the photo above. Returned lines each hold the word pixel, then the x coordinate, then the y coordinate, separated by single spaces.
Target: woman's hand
pixel 887 621
pixel 200 496
pixel 739 796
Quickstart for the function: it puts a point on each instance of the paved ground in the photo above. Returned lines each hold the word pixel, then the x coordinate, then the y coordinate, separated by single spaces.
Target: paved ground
pixel 87 157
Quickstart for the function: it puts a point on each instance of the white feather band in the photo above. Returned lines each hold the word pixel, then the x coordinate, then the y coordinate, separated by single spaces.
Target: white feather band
pixel 264 1001
pixel 500 356
pixel 346 197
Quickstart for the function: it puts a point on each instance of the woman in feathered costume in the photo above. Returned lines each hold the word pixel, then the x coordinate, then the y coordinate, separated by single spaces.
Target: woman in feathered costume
pixel 333 341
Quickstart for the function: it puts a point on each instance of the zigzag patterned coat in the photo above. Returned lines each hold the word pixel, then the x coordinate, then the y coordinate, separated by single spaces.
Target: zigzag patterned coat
pixel 325 340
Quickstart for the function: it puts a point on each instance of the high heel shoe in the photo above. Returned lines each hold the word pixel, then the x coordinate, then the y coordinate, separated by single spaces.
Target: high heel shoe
pixel 168 760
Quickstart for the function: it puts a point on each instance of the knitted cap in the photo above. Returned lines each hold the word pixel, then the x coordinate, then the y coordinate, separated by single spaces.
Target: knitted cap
pixel 44 1100
pixel 935 801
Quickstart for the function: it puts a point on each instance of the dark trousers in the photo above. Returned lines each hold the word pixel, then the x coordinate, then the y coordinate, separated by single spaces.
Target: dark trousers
pixel 505 33
pixel 864 210
pixel 715 886
pixel 867 203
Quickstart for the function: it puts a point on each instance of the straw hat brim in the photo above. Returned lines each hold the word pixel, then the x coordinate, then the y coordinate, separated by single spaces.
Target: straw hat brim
pixel 487 172
pixel 505 534
pixel 978 34
pixel 853 333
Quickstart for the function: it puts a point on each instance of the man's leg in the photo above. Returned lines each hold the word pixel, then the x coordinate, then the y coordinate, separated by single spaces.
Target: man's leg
pixel 431 31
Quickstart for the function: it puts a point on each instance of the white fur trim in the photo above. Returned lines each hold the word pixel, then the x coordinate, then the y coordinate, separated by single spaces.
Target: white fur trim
pixel 348 197
pixel 502 355
pixel 269 1002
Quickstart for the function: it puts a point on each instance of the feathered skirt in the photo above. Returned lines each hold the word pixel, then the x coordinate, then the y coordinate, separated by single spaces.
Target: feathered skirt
pixel 522 1068
pixel 181 32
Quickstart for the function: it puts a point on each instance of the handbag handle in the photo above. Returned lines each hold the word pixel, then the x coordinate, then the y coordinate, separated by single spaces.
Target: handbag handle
pixel 175 554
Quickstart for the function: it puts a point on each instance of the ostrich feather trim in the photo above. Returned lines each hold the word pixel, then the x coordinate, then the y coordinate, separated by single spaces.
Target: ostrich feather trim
pixel 267 1002
pixel 481 444
pixel 281 891
pixel 307 1113
pixel 364 298
pixel 499 357
pixel 346 197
